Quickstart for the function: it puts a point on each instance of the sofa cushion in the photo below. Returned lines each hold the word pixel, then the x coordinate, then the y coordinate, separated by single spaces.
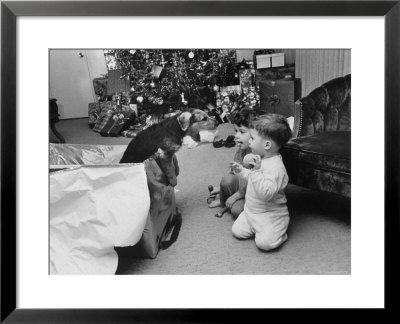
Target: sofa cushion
pixel 328 150
pixel 320 162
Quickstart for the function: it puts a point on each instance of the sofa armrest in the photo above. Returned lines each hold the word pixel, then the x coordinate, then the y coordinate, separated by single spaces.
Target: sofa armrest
pixel 325 109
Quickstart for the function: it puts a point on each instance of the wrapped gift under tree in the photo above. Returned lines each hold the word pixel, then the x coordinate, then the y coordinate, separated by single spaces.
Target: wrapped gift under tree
pixel 100 87
pixel 250 98
pixel 227 100
pixel 247 78
pixel 141 123
pixel 116 83
pixel 123 116
pixel 94 111
pixel 233 98
pixel 105 114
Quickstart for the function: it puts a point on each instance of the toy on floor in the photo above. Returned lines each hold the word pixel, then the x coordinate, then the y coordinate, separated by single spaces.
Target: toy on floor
pixel 212 198
pixel 228 142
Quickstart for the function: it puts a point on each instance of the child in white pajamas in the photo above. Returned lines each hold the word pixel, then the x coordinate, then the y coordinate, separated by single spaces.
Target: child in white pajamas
pixel 265 212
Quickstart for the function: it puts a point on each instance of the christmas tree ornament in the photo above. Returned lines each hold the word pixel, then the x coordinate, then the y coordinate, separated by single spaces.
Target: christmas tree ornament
pixel 216 88
pixel 156 71
pixel 191 54
pixel 139 99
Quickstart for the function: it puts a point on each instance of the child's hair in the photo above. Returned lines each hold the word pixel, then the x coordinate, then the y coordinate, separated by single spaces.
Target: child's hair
pixel 273 126
pixel 245 116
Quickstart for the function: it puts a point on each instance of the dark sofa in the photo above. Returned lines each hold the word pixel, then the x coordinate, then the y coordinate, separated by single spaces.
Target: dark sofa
pixel 319 154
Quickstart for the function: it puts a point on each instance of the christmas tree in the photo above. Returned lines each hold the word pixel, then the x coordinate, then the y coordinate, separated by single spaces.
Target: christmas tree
pixel 176 77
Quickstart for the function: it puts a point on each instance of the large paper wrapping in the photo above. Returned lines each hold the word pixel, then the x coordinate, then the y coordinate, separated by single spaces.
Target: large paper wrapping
pixel 85 154
pixel 94 208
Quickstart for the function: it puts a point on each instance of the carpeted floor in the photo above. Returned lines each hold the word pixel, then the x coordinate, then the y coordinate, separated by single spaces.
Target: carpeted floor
pixel 319 231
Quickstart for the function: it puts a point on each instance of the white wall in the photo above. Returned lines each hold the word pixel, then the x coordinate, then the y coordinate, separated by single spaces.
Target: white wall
pixel 97 63
pixel 71 79
pixel 246 54
pixel 317 66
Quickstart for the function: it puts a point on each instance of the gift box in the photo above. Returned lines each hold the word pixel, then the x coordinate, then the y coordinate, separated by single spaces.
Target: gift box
pixel 100 87
pixel 113 125
pixel 226 102
pixel 131 133
pixel 164 222
pixel 121 119
pixel 140 123
pixel 265 61
pixel 250 98
pixel 105 114
pixel 94 111
pixel 279 96
pixel 247 78
pixel 87 236
pixel 117 83
pixel 91 196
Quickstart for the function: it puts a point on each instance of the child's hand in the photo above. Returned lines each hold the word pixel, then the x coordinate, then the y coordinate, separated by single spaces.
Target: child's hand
pixel 236 167
pixel 230 201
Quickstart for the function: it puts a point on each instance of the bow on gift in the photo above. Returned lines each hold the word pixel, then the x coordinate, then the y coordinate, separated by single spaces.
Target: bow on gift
pixel 274 99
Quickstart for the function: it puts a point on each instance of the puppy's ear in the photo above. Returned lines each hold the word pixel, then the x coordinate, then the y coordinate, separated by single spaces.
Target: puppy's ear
pixel 184 120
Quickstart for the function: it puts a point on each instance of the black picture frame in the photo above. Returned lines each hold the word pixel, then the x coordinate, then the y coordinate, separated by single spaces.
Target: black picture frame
pixel 10 10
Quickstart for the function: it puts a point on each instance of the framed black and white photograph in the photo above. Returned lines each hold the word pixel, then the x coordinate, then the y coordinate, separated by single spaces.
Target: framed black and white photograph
pixel 197 156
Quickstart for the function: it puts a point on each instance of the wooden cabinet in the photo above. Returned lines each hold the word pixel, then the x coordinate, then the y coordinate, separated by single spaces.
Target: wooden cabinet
pixel 279 96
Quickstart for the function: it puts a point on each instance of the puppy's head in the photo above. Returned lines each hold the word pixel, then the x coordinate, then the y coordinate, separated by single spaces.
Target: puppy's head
pixel 200 121
pixel 188 118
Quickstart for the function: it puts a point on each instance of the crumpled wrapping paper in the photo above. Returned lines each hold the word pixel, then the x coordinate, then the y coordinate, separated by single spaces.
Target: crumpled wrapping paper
pixel 208 136
pixel 85 154
pixel 94 208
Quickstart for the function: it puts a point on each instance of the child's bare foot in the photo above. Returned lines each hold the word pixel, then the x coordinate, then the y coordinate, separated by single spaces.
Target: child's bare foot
pixel 221 212
pixel 215 203
pixel 215 191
